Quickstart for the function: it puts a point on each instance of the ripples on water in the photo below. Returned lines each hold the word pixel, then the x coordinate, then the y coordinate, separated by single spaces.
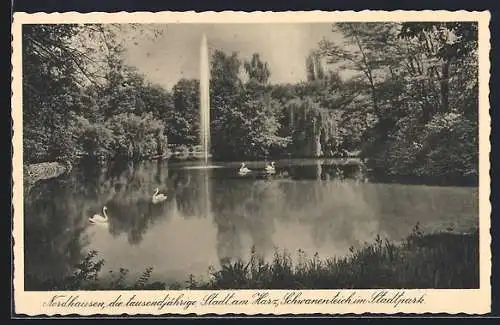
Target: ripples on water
pixel 214 214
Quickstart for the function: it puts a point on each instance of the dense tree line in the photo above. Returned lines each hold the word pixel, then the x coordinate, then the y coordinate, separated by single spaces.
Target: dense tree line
pixel 408 102
pixel 79 99
pixel 420 84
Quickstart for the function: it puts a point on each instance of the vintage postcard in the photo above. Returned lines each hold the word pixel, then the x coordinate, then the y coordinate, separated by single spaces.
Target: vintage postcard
pixel 251 163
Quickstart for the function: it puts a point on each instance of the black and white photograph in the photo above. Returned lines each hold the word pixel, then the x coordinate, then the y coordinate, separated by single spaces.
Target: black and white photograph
pixel 214 156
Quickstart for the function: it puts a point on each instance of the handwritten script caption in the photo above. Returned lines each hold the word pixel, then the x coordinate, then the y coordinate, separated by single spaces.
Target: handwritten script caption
pixel 168 301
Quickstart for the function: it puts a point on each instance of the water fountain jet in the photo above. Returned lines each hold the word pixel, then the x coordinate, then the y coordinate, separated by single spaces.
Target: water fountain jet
pixel 204 99
pixel 204 106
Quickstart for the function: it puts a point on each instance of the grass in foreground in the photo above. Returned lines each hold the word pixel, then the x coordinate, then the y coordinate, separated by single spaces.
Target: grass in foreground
pixel 438 260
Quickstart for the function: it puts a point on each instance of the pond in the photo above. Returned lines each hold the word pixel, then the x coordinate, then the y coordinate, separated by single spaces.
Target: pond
pixel 213 214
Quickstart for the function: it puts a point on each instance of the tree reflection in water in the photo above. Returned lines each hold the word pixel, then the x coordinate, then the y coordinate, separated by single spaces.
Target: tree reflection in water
pixel 53 231
pixel 129 203
pixel 56 215
pixel 314 207
pixel 246 207
pixel 245 211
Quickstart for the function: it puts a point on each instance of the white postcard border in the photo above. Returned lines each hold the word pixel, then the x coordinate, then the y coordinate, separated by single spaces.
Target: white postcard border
pixel 470 301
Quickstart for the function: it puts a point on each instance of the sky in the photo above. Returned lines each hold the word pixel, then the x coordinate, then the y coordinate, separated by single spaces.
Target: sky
pixel 176 53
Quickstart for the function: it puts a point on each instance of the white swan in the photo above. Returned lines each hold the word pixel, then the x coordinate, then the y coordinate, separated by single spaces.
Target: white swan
pixel 270 168
pixel 97 218
pixel 157 198
pixel 243 169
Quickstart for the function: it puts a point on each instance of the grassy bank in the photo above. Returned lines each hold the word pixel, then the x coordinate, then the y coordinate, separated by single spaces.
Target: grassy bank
pixel 438 260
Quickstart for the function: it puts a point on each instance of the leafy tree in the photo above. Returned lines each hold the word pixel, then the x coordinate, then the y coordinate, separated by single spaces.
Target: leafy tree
pixel 444 45
pixel 72 71
pixel 184 122
pixel 245 116
pixel 322 115
pixel 157 100
pixel 416 74
pixel 94 139
pixel 135 135
pixel 257 70
pixel 225 90
pixel 258 124
pixel 410 101
pixel 49 89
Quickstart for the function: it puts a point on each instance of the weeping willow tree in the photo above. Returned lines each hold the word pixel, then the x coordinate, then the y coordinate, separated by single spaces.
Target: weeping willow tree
pixel 314 128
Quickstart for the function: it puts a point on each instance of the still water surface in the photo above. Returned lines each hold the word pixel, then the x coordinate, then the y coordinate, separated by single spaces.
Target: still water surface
pixel 214 214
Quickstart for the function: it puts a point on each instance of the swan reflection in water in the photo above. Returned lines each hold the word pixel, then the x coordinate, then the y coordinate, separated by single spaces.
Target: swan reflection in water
pixel 158 197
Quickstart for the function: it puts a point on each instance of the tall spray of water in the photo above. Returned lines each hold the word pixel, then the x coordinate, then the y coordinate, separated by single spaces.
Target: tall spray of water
pixel 204 98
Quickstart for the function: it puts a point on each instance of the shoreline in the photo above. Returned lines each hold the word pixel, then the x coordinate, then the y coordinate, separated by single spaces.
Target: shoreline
pixel 443 259
pixel 50 170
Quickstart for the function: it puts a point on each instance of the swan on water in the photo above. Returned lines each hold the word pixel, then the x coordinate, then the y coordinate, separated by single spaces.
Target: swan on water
pixel 97 218
pixel 270 168
pixel 157 198
pixel 244 169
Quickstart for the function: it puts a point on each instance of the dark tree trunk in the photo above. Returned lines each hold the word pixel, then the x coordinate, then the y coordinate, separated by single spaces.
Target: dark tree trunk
pixel 445 86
